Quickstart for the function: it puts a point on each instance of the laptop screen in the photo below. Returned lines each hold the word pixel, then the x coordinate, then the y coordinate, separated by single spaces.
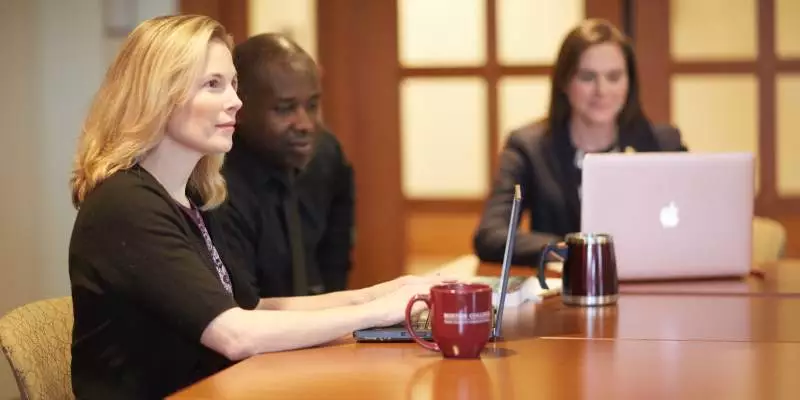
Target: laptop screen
pixel 507 256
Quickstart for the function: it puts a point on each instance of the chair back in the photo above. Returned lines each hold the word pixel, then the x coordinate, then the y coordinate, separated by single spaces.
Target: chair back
pixel 36 339
pixel 769 240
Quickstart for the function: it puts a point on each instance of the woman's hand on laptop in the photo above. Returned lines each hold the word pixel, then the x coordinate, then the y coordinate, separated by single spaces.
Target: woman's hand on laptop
pixel 376 291
pixel 390 308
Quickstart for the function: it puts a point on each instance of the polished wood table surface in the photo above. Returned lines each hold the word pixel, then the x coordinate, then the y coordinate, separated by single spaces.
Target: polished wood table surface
pixel 517 369
pixel 659 341
pixel 663 317
pixel 782 278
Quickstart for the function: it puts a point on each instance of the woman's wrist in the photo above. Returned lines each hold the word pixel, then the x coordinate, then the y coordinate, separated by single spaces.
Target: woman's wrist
pixel 362 296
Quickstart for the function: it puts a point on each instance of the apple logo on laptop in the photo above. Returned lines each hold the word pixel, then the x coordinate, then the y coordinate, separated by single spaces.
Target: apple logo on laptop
pixel 669 215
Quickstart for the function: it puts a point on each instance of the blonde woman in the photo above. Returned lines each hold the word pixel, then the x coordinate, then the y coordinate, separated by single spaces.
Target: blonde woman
pixel 157 304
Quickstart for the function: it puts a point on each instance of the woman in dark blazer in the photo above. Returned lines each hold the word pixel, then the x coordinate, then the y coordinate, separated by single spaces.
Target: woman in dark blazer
pixel 594 107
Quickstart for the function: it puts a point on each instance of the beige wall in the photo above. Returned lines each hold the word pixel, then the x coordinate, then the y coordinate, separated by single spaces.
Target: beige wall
pixel 51 68
pixel 18 169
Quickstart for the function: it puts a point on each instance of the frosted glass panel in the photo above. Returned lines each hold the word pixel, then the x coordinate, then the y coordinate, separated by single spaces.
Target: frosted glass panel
pixel 443 136
pixel 296 19
pixel 787 28
pixel 788 134
pixel 530 31
pixel 522 100
pixel 441 32
pixel 717 113
pixel 713 29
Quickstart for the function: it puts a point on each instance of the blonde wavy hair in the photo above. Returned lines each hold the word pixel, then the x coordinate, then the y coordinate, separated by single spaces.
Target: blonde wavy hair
pixel 150 78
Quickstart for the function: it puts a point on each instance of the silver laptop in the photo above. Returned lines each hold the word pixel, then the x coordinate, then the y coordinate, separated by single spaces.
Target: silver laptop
pixel 422 323
pixel 672 215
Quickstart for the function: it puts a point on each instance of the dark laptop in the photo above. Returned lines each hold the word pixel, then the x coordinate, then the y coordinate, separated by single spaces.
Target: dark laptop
pixel 421 322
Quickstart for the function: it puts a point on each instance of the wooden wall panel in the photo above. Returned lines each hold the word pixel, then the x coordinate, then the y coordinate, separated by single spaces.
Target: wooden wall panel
pixel 792 224
pixel 231 13
pixel 435 234
pixel 651 30
pixel 432 234
pixel 358 52
pixel 767 62
pixel 611 10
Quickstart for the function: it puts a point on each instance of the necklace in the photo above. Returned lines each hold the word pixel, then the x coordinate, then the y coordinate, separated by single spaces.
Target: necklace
pixel 580 154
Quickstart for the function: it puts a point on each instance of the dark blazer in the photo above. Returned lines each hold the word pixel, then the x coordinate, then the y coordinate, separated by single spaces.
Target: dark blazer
pixel 542 163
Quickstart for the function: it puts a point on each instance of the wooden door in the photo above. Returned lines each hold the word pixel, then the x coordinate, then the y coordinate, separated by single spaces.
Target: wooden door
pixel 232 14
pixel 422 94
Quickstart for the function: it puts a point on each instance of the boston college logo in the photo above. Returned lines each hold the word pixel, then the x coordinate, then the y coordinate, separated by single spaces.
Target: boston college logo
pixel 469 318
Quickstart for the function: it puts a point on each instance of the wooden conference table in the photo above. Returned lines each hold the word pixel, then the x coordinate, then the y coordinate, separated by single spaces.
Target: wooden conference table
pixel 712 339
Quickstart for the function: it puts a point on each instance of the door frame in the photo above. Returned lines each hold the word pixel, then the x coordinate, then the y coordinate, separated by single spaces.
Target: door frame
pixel 358 51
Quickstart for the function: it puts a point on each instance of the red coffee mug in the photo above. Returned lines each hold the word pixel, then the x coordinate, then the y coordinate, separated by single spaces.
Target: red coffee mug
pixel 461 315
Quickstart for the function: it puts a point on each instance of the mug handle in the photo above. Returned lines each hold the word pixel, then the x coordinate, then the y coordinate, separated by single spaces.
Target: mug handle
pixel 559 250
pixel 427 299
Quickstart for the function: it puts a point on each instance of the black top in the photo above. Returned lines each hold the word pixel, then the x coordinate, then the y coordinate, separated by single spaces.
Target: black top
pixel 254 221
pixel 547 168
pixel 144 288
